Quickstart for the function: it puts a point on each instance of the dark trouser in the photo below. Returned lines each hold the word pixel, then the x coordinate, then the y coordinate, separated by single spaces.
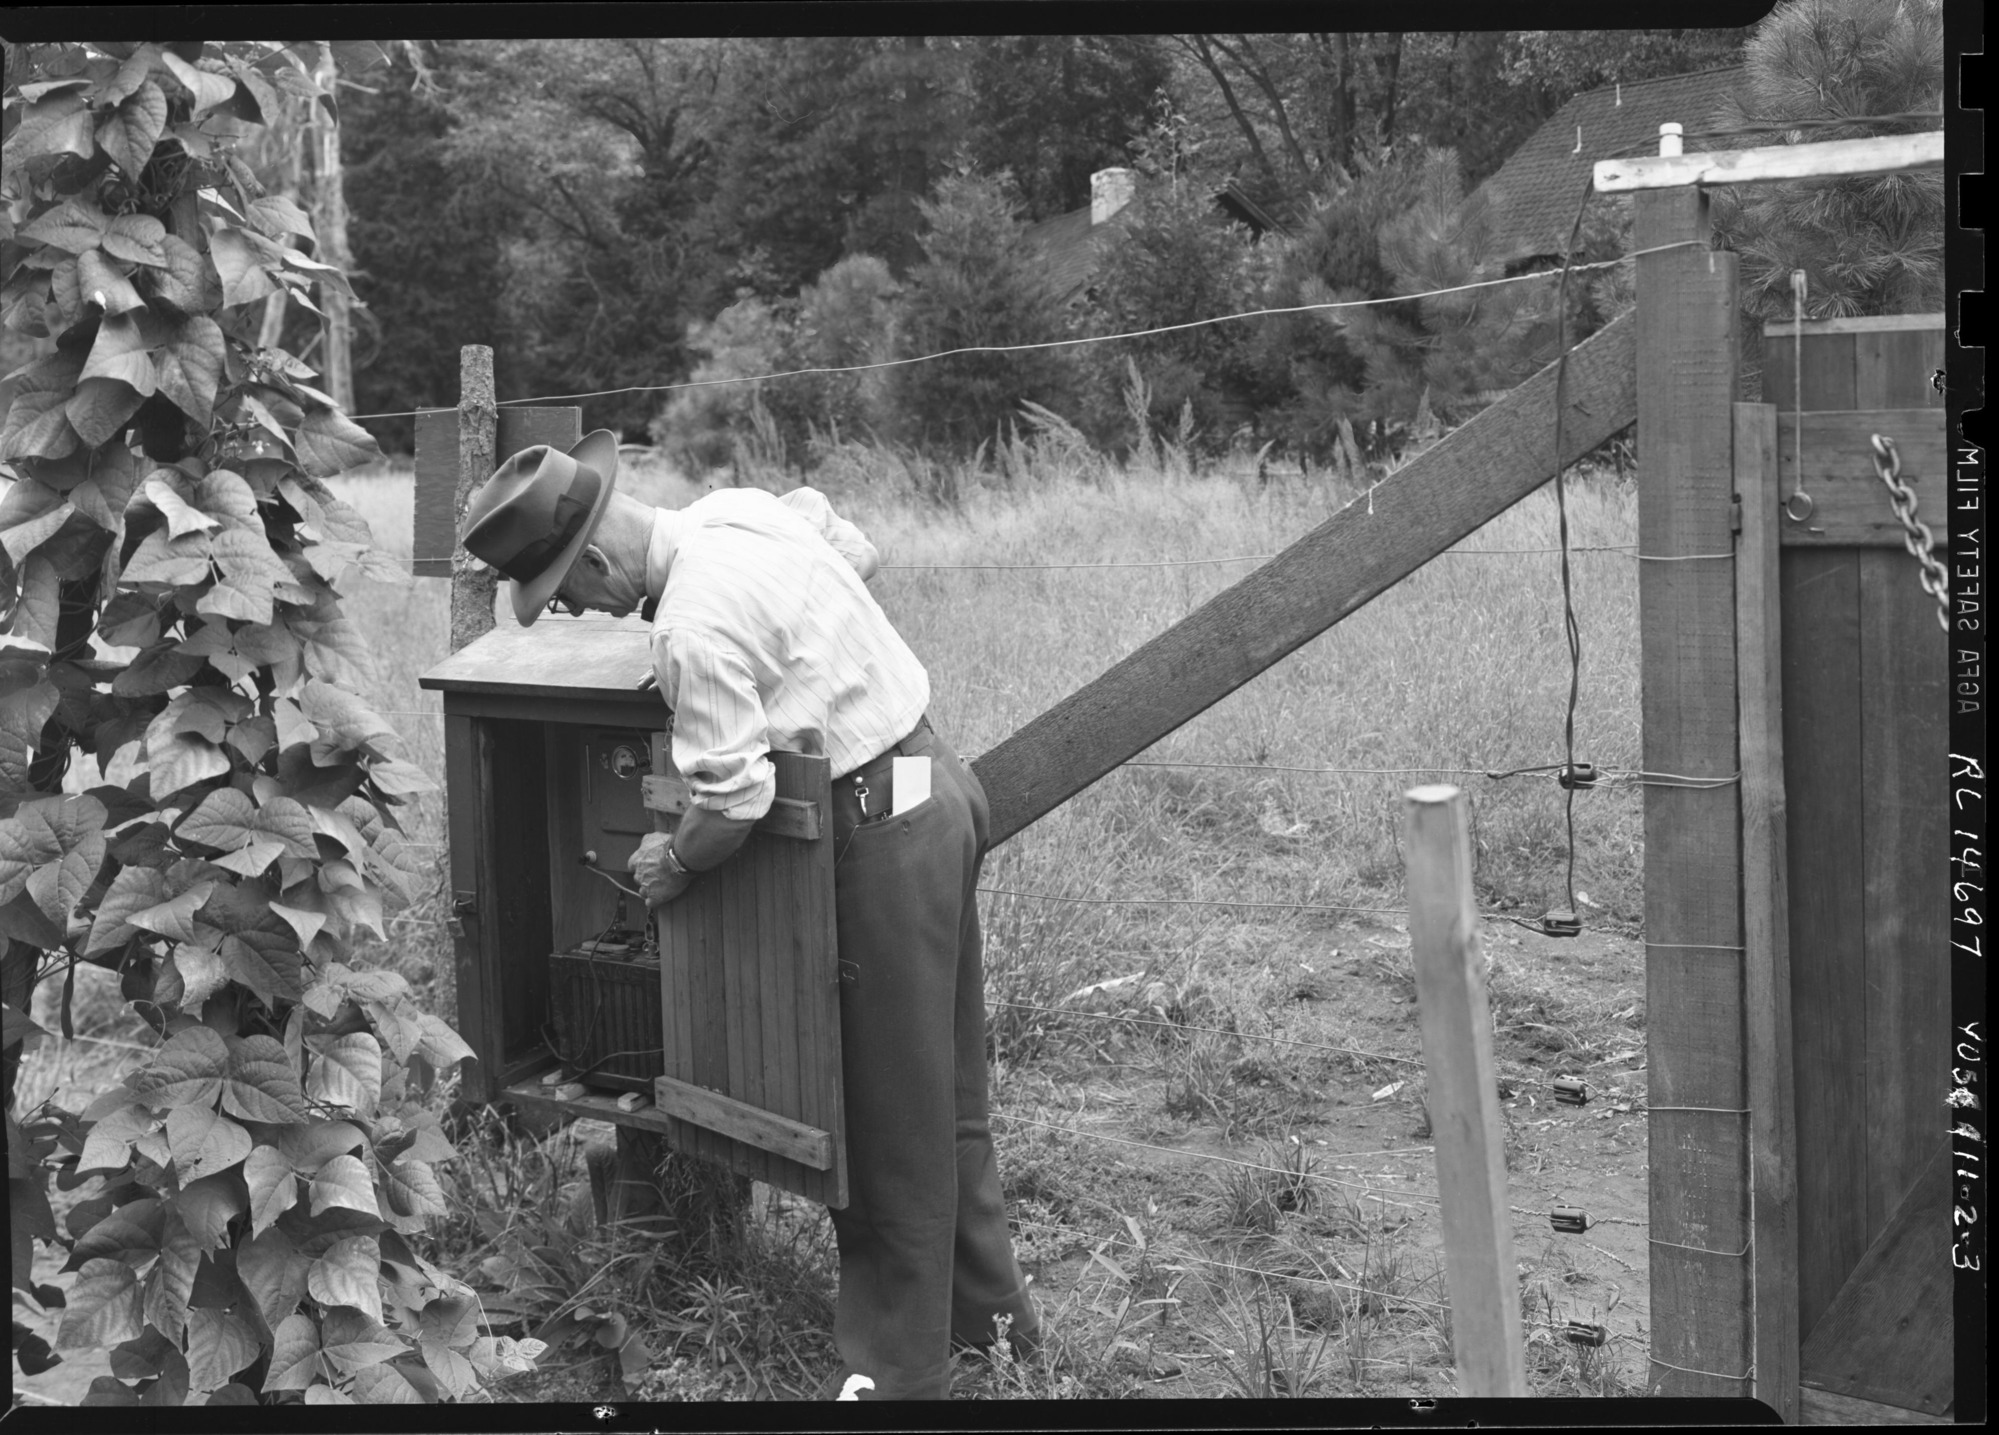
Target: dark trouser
pixel 925 1256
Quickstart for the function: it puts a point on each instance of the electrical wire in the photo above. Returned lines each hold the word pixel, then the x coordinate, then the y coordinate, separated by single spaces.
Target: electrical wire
pixel 1571 628
pixel 1044 344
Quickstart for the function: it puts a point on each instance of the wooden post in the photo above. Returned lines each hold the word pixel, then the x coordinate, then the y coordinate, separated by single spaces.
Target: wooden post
pixel 1463 1095
pixel 472 582
pixel 1699 1098
pixel 1773 1168
pixel 330 225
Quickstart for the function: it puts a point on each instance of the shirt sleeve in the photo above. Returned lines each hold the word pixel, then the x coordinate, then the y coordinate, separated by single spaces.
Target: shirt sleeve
pixel 847 540
pixel 721 736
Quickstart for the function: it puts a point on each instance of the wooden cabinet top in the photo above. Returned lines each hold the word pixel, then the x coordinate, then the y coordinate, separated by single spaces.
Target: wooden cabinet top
pixel 556 658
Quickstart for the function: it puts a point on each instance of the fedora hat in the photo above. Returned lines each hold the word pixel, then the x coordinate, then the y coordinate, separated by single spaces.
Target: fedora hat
pixel 536 513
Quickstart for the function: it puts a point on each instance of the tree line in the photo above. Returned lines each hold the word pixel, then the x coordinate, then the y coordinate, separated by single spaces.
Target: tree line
pixel 617 215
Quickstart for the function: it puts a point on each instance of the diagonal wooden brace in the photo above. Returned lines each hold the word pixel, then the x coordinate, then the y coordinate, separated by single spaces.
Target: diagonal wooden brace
pixel 1445 493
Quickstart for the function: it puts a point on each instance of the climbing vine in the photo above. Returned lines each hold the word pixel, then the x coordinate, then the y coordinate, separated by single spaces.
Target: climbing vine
pixel 254 1195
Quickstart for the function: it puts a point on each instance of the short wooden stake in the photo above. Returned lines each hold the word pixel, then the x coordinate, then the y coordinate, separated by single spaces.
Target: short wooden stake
pixel 1463 1096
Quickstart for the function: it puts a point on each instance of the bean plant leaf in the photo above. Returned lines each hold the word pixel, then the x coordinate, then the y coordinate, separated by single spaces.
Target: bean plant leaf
pixel 327 1395
pixel 129 1234
pixel 453 1371
pixel 173 918
pixel 273 1187
pixel 51 848
pixel 201 972
pixel 239 266
pixel 133 889
pixel 204 1142
pixel 187 1071
pixel 413 1191
pixel 311 1146
pixel 75 226
pixel 129 132
pixel 353 1341
pixel 101 407
pixel 109 1145
pixel 262 1084
pixel 37 427
pixel 343 720
pixel 274 1273
pixel 190 366
pixel 344 1181
pixel 187 282
pixel 219 1343
pixel 262 966
pixel 385 1384
pixel 442 1047
pixel 349 1274
pixel 105 286
pixel 208 88
pixel 54 124
pixel 164 490
pixel 294 1354
pixel 251 576
pixel 102 1308
pixel 278 215
pixel 136 238
pixel 329 442
pixel 347 1073
pixel 210 1204
pixel 171 1285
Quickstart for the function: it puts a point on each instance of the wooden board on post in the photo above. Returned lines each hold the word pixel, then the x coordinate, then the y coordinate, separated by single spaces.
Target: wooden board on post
pixel 435 535
pixel 749 962
pixel 1687 355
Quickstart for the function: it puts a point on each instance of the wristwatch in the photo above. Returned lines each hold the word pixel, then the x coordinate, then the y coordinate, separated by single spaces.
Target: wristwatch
pixel 673 862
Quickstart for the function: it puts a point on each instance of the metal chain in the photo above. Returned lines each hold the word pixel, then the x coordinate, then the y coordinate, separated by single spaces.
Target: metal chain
pixel 1916 535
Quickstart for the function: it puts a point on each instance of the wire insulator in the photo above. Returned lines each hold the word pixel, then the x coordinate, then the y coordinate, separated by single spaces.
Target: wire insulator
pixel 1561 922
pixel 1569 1220
pixel 1577 775
pixel 1582 1333
pixel 1571 1091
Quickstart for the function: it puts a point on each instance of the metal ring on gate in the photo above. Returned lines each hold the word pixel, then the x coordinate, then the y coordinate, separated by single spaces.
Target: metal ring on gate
pixel 1793 510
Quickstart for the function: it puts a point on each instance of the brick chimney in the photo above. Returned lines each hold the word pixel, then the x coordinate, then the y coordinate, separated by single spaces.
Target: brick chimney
pixel 1110 191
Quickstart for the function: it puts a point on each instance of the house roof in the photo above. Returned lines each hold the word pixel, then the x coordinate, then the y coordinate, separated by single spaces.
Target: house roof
pixel 1068 241
pixel 1068 246
pixel 1535 193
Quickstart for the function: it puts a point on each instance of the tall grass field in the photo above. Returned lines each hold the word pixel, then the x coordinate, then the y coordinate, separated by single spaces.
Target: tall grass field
pixel 1273 1275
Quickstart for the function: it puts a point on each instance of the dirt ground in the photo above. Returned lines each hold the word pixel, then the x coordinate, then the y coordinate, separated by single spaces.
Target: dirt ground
pixel 1562 1006
pixel 1138 1184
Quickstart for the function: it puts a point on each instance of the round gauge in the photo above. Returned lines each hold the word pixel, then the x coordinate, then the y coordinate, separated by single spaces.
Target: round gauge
pixel 628 761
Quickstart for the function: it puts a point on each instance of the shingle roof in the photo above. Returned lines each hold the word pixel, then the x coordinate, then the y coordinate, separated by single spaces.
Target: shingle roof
pixel 1535 193
pixel 1068 241
pixel 1067 244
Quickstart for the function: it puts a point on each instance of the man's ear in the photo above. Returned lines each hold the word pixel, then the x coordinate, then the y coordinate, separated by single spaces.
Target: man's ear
pixel 594 556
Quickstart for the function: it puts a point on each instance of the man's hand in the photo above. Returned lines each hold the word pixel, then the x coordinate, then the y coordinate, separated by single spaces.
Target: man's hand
pixel 658 883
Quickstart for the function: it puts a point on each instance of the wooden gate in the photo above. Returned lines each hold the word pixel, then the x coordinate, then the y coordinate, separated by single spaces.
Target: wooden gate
pixel 1861 666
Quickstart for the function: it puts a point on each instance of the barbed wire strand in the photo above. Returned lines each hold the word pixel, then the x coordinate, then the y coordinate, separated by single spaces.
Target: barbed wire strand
pixel 1051 343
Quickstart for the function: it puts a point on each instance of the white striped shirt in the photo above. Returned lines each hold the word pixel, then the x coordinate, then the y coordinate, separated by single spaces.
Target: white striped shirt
pixel 765 636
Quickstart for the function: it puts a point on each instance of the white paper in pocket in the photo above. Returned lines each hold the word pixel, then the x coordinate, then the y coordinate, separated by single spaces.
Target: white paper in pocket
pixel 909 780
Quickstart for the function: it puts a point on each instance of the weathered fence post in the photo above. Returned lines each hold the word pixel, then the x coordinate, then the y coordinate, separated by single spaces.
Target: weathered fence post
pixel 472 582
pixel 1463 1095
pixel 1687 321
pixel 1765 912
